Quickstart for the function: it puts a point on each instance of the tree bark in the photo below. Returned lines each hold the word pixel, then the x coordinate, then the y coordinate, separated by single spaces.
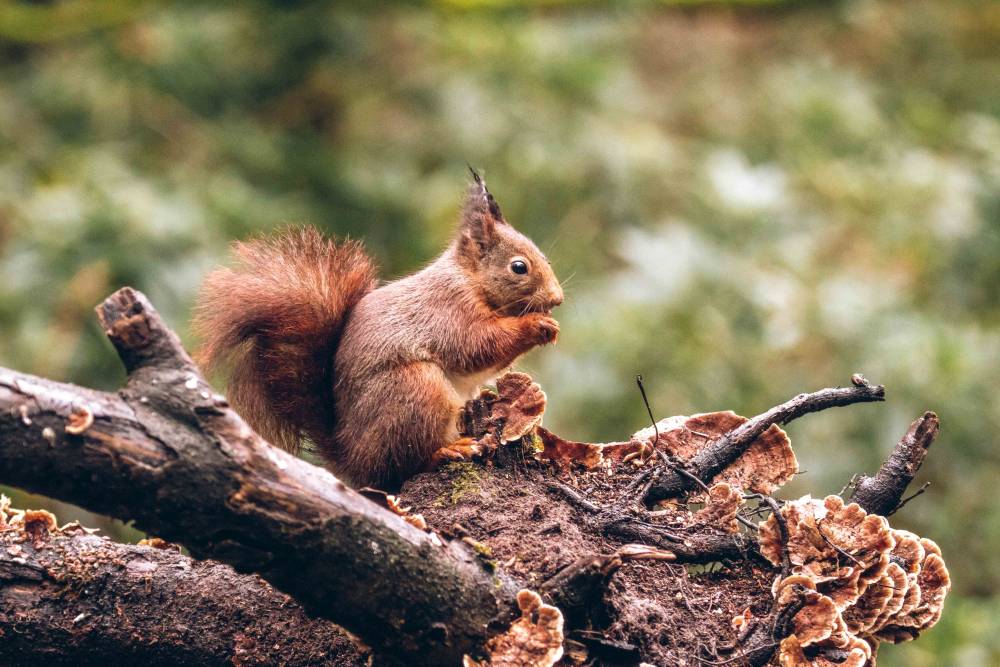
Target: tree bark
pixel 713 458
pixel 68 597
pixel 169 453
pixel 883 493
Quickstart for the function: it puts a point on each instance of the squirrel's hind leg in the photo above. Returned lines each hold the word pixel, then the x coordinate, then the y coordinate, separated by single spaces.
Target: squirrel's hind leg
pixel 395 424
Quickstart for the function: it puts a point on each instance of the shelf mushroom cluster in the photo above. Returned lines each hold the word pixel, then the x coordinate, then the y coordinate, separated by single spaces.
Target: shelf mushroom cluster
pixel 854 580
pixel 535 639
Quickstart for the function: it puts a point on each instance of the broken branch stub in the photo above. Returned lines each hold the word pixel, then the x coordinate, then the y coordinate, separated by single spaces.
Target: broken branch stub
pixel 882 493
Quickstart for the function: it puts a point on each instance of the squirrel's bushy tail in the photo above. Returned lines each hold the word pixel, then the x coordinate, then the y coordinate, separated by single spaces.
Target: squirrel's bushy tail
pixel 274 320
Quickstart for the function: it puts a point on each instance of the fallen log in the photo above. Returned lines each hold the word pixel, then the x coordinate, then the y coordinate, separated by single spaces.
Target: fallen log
pixel 70 597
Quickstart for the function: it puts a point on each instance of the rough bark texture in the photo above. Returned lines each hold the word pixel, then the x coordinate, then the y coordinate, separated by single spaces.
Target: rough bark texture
pixel 169 453
pixel 717 455
pixel 882 494
pixel 72 598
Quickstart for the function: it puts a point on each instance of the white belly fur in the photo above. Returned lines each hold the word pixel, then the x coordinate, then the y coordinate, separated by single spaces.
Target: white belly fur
pixel 467 386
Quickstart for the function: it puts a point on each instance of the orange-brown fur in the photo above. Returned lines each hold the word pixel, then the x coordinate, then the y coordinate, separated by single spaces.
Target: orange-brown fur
pixel 274 321
pixel 375 378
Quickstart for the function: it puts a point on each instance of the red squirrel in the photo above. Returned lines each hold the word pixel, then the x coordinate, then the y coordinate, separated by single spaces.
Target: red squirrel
pixel 375 377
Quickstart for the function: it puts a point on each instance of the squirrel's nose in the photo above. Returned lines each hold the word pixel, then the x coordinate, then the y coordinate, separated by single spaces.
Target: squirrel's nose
pixel 556 296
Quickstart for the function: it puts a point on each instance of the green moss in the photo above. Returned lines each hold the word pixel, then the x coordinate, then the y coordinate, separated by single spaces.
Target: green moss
pixel 484 553
pixel 481 549
pixel 466 479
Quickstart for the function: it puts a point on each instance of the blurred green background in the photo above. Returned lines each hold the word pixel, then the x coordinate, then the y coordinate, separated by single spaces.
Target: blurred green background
pixel 748 200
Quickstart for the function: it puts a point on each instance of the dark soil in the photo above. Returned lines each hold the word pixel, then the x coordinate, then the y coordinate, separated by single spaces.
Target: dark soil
pixel 649 611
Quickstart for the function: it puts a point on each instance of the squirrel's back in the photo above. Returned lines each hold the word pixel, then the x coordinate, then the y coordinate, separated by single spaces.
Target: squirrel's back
pixel 274 320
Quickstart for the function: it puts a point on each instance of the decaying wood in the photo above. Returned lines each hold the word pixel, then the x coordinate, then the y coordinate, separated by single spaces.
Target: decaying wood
pixel 168 452
pixel 69 597
pixel 703 545
pixel 882 494
pixel 726 449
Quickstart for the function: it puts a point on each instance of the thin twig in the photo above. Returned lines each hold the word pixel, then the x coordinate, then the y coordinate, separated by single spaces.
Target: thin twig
pixel 678 468
pixel 786 562
pixel 850 483
pixel 741 656
pixel 902 502
pixel 574 497
pixel 819 529
pixel 746 522
pixel 649 411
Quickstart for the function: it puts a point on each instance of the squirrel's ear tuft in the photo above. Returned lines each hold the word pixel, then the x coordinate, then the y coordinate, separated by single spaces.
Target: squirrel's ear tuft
pixel 475 174
pixel 480 215
pixel 480 196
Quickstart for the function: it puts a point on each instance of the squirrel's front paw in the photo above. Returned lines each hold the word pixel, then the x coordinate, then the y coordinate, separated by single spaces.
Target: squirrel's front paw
pixel 462 449
pixel 545 329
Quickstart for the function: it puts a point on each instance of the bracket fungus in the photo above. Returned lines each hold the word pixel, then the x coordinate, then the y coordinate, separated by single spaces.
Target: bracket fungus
pixel 534 640
pixel 764 467
pixel 519 406
pixel 79 420
pixel 34 525
pixel 791 654
pixel 854 582
pixel 721 503
pixel 928 593
pixel 565 452
pixel 394 505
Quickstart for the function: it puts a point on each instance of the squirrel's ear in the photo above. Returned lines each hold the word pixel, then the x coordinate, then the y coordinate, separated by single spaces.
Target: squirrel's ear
pixel 480 216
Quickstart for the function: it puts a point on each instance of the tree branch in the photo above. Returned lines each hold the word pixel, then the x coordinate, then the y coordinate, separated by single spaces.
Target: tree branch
pixel 714 457
pixel 169 453
pixel 882 493
pixel 68 597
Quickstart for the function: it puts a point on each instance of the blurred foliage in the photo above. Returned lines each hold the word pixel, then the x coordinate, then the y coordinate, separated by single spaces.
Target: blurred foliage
pixel 746 202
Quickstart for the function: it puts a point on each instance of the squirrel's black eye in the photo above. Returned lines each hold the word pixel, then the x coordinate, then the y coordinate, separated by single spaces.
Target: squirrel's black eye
pixel 519 267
